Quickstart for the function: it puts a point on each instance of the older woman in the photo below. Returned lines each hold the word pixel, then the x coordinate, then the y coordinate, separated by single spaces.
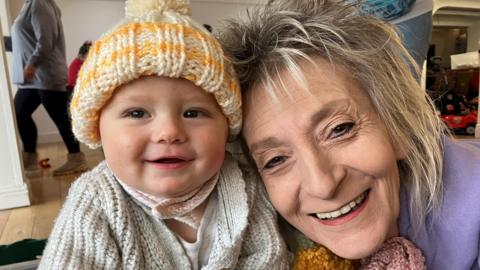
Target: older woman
pixel 348 145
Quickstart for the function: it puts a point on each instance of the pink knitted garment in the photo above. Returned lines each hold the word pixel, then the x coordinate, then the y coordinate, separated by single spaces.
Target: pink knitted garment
pixel 396 254
pixel 179 208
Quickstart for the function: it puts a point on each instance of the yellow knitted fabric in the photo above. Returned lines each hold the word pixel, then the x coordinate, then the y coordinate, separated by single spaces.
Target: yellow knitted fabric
pixel 157 37
pixel 320 258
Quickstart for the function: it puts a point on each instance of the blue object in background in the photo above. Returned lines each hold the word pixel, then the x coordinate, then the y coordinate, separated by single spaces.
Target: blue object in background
pixel 416 33
pixel 386 9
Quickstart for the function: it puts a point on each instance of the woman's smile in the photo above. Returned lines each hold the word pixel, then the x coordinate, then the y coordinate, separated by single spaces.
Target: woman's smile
pixel 345 213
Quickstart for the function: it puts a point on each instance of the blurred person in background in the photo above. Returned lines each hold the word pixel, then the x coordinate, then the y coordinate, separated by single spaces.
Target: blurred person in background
pixel 76 64
pixel 40 72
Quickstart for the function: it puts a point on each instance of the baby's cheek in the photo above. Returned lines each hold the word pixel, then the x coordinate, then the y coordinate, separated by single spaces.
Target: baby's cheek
pixel 217 157
pixel 220 156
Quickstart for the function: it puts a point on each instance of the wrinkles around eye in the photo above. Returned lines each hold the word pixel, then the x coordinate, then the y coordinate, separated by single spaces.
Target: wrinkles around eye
pixel 274 162
pixel 341 129
pixel 269 162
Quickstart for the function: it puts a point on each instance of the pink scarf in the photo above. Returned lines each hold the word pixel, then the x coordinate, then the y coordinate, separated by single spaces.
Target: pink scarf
pixel 396 254
pixel 178 208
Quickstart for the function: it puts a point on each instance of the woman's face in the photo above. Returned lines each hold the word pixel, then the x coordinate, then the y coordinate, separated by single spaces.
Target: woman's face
pixel 327 162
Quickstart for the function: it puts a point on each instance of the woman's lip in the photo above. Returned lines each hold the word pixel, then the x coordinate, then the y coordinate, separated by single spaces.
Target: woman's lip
pixel 346 218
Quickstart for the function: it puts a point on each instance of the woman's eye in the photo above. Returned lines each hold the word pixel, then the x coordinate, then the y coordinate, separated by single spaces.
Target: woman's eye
pixel 192 114
pixel 275 162
pixel 341 130
pixel 136 113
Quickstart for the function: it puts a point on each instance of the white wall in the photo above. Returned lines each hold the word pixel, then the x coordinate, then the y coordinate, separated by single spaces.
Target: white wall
pixel 470 21
pixel 87 19
pixel 444 40
pixel 473 37
pixel 469 4
pixel 214 13
pixel 13 190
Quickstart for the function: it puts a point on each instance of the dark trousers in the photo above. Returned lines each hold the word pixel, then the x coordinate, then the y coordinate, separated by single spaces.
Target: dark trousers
pixel 55 102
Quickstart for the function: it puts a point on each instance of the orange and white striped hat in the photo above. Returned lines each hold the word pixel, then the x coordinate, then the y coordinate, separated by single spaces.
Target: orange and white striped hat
pixel 156 37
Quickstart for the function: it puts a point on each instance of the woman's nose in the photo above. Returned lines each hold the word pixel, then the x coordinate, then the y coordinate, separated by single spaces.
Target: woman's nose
pixel 169 130
pixel 321 177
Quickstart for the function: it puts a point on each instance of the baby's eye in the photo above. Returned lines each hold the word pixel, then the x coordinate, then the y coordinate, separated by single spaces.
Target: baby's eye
pixel 137 113
pixel 275 161
pixel 193 113
pixel 341 130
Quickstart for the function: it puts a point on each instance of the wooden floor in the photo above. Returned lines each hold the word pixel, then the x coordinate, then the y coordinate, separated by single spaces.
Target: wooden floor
pixel 47 194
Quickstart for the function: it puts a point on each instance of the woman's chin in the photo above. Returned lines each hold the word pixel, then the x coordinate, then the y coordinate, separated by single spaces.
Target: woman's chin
pixel 354 250
pixel 354 253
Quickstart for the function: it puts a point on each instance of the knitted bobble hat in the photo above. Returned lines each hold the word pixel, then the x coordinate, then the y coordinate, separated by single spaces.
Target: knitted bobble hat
pixel 156 37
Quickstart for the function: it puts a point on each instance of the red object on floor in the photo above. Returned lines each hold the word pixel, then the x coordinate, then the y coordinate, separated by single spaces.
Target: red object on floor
pixel 44 163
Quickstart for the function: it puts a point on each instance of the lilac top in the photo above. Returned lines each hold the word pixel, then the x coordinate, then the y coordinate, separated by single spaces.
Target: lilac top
pixel 452 241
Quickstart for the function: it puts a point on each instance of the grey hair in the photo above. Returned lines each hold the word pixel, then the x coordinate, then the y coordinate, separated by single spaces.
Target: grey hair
pixel 285 33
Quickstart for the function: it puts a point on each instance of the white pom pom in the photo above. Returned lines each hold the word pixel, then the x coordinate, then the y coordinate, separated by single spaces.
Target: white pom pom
pixel 139 8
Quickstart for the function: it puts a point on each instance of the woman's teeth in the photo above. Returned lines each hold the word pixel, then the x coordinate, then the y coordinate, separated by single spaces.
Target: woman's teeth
pixel 345 209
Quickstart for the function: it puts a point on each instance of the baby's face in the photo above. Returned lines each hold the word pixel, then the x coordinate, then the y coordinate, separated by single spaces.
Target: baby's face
pixel 163 136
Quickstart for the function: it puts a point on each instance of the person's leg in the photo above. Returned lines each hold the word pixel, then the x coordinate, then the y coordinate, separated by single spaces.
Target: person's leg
pixel 416 33
pixel 55 102
pixel 26 101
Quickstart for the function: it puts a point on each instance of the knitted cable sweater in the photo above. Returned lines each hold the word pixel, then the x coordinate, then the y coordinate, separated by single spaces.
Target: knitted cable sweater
pixel 101 227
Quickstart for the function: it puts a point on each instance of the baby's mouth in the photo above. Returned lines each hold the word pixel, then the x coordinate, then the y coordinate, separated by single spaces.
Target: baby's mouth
pixel 169 160
pixel 344 210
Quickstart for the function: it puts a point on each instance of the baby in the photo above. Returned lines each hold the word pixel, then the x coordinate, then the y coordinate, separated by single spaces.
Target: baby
pixel 158 95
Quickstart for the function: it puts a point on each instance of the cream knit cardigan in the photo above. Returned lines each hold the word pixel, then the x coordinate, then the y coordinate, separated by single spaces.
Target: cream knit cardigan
pixel 101 227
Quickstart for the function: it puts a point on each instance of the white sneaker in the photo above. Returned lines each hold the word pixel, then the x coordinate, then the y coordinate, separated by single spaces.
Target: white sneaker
pixel 75 163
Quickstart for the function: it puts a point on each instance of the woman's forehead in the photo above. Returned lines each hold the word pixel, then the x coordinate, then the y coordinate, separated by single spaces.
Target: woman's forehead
pixel 315 81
